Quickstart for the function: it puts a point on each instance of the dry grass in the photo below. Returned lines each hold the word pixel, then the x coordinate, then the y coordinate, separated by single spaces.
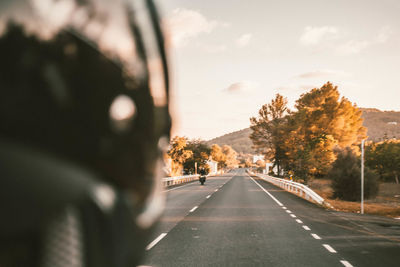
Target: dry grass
pixel 387 203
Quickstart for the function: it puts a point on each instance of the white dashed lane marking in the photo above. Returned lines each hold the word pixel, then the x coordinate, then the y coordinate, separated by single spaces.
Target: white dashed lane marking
pixel 293 216
pixel 298 221
pixel 306 227
pixel 158 239
pixel 346 263
pixel 329 248
pixel 208 196
pixel 315 236
pixel 194 208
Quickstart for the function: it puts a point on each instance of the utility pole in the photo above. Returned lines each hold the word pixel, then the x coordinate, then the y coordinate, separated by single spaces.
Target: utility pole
pixel 362 176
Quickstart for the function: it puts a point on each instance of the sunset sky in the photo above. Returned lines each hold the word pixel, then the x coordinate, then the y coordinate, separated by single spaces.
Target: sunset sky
pixel 231 57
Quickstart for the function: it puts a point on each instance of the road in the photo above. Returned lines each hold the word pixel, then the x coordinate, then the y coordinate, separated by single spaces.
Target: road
pixel 238 220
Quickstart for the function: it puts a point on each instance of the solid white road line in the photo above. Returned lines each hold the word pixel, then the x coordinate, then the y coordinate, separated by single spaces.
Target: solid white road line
pixel 177 187
pixel 293 216
pixel 268 193
pixel 329 248
pixel 298 221
pixel 346 263
pixel 152 244
pixel 194 208
pixel 208 196
pixel 306 228
pixel 315 236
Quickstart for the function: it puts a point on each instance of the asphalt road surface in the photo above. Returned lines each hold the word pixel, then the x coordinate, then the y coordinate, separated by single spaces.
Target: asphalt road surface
pixel 238 220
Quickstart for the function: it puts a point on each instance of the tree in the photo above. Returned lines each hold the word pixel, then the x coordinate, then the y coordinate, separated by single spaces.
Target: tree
pixel 346 177
pixel 322 122
pixel 267 130
pixel 230 156
pixel 218 156
pixel 201 153
pixel 384 158
pixel 178 153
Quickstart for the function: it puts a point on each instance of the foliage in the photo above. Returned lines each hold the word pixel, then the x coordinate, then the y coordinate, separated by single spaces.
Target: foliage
pixel 384 158
pixel 225 156
pixel 267 130
pixel 178 153
pixel 303 141
pixel 346 177
pixel 200 154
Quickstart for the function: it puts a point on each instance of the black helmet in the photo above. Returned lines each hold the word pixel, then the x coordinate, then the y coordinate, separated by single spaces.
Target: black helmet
pixel 83 122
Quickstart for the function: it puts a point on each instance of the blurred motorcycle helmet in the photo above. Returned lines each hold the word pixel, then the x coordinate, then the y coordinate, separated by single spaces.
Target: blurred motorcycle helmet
pixel 84 120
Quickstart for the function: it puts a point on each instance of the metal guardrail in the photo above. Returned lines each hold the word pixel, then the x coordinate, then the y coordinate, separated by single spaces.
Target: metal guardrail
pixel 168 181
pixel 297 188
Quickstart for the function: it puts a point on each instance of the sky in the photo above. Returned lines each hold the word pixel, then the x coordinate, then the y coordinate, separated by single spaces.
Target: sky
pixel 229 58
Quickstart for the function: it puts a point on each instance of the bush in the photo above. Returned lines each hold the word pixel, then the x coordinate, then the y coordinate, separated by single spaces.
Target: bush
pixel 346 178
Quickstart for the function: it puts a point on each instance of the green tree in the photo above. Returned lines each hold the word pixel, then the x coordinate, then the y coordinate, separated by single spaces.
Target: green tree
pixel 200 155
pixel 384 158
pixel 267 130
pixel 346 177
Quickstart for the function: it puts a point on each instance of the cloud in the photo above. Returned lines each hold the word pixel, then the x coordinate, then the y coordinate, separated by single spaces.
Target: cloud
pixel 244 40
pixel 213 48
pixel 353 47
pixel 384 34
pixel 314 35
pixel 185 24
pixel 321 74
pixel 243 86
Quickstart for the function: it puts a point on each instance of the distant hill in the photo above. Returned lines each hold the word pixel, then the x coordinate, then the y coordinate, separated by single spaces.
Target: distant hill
pixel 239 141
pixel 380 124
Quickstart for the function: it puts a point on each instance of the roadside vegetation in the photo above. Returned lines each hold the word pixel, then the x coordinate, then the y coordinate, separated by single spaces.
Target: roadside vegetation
pixel 184 155
pixel 320 141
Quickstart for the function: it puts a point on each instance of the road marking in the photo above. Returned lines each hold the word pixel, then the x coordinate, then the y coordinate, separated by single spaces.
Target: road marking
pixel 293 216
pixel 194 208
pixel 284 208
pixel 346 263
pixel 315 236
pixel 306 228
pixel 298 221
pixel 208 196
pixel 329 248
pixel 158 239
pixel 288 211
pixel 268 193
pixel 176 187
pixel 216 190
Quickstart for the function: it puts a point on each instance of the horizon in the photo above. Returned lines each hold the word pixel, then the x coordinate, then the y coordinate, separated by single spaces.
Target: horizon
pixel 228 62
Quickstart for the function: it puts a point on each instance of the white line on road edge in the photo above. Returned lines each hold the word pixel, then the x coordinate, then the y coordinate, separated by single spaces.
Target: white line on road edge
pixel 152 244
pixel 298 221
pixel 208 196
pixel 293 216
pixel 329 248
pixel 269 194
pixel 346 263
pixel 177 187
pixel 194 208
pixel 316 236
pixel 306 228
